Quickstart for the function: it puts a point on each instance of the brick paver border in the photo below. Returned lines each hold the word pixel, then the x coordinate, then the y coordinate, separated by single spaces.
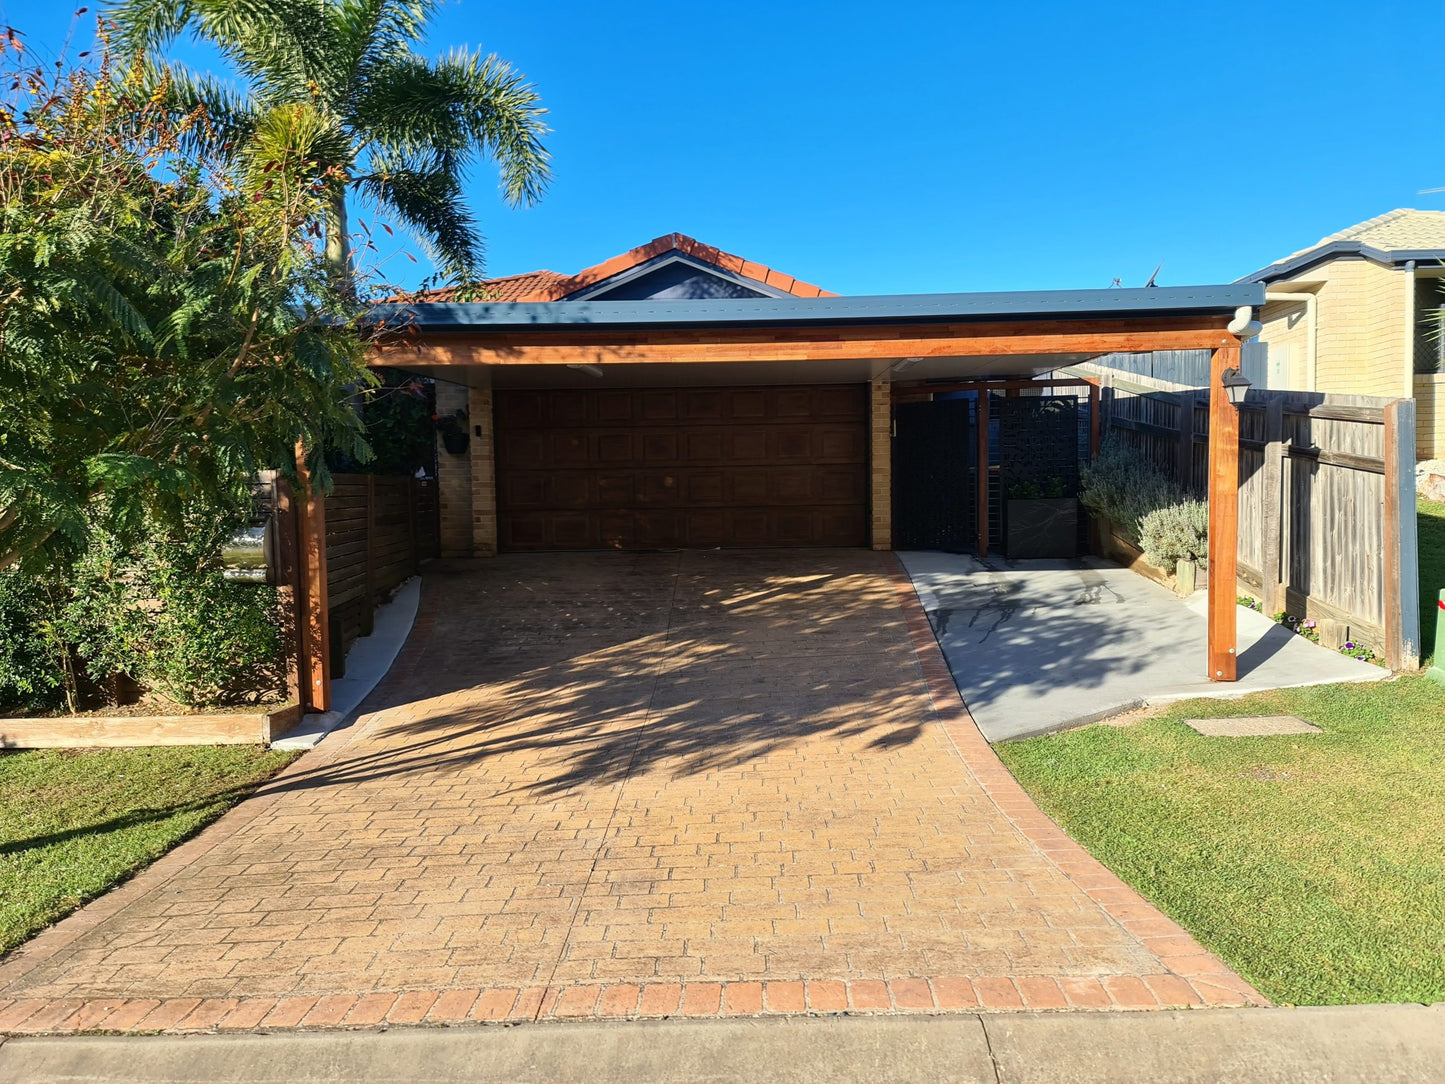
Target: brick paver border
pixel 1191 976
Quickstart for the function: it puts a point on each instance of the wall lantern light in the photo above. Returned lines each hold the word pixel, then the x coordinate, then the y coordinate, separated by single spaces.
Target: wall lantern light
pixel 1235 385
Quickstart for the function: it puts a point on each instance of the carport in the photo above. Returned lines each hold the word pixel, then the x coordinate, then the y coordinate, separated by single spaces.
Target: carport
pixel 772 419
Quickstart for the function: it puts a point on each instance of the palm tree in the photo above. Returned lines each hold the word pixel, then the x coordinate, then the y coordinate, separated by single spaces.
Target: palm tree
pixel 337 83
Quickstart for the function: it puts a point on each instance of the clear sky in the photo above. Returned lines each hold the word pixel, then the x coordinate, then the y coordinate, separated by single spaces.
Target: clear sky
pixel 926 147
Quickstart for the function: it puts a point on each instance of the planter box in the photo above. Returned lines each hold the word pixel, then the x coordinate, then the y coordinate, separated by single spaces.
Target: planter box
pixel 1045 527
pixel 215 728
pixel 1116 547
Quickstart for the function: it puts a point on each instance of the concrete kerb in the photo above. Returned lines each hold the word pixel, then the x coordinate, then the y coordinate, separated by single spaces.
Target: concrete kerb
pixel 367 663
pixel 1381 1044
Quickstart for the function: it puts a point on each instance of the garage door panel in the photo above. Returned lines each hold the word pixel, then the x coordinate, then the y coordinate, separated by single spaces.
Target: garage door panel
pixel 792 444
pixel 706 487
pixel 567 448
pixel 748 404
pixel 522 451
pixel 523 490
pixel 615 448
pixel 748 445
pixel 587 468
pixel 706 446
pixel 661 447
pixel 572 490
pixel 706 527
pixel 839 445
pixel 839 402
pixel 792 486
pixel 615 407
pixel 616 489
pixel 657 488
pixel 570 408
pixel 749 486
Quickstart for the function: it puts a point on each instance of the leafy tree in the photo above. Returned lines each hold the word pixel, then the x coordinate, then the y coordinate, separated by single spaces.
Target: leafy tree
pixel 338 81
pixel 164 329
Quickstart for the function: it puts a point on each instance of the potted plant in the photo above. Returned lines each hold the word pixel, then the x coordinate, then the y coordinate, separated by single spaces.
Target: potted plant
pixel 453 430
pixel 1040 520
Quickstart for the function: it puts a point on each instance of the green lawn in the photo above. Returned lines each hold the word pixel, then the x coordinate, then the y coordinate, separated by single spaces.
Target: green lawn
pixel 74 823
pixel 1431 530
pixel 1314 865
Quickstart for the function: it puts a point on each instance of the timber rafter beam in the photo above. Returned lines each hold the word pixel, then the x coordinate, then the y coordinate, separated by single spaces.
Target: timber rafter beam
pixel 578 345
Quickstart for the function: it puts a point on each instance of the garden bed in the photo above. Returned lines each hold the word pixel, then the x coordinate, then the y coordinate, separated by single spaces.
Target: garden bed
pixel 1115 547
pixel 123 729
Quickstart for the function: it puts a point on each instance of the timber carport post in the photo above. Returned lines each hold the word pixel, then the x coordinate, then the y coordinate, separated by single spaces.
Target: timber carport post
pixel 665 343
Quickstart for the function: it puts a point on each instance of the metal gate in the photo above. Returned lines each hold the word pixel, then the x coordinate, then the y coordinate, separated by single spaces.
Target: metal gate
pixel 933 476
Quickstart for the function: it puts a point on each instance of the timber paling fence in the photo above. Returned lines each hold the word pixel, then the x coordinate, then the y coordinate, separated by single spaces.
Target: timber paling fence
pixel 1326 501
pixel 378 530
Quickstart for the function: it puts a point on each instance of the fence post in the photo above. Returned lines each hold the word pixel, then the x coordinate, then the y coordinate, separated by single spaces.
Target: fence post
pixel 1402 579
pixel 1184 465
pixel 368 597
pixel 981 415
pixel 314 624
pixel 1273 481
pixel 412 485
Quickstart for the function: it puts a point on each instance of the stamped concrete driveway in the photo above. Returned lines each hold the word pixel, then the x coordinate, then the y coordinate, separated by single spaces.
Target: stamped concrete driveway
pixel 611 784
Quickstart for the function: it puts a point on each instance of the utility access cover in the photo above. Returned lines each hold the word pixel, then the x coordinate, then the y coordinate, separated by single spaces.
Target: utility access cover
pixel 1255 726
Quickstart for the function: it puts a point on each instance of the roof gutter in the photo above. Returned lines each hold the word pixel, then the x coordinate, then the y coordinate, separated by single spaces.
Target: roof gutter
pixel 530 317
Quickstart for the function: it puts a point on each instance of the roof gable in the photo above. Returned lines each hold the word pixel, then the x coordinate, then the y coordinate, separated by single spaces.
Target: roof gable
pixel 721 273
pixel 1390 238
pixel 675 277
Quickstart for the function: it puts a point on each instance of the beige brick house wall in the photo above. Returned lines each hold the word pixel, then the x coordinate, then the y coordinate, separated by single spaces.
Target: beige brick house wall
pixel 483 472
pixel 1430 416
pixel 454 480
pixel 1363 312
pixel 880 463
pixel 1287 332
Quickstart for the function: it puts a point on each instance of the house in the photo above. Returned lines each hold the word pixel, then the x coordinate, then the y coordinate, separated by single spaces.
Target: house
pixel 678 395
pixel 1356 313
pixel 681 396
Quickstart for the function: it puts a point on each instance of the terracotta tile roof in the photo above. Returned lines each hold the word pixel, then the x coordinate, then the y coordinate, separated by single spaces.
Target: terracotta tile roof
pixel 551 286
pixel 1401 229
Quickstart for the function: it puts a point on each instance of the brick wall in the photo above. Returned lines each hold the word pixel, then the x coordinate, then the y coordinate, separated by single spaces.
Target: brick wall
pixel 1362 325
pixel 1430 416
pixel 483 473
pixel 454 480
pixel 1287 333
pixel 880 425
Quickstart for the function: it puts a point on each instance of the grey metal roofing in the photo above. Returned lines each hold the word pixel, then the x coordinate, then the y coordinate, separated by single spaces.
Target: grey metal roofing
pixel 1287 268
pixel 521 316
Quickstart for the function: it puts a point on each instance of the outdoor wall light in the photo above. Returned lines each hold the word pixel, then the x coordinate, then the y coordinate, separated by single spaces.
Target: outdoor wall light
pixel 1235 385
pixel 590 370
pixel 906 363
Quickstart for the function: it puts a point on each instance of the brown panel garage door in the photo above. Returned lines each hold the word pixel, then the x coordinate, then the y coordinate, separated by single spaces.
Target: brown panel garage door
pixel 689 467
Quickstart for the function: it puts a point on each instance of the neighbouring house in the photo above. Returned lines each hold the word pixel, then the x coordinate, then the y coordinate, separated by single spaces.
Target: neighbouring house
pixel 1357 313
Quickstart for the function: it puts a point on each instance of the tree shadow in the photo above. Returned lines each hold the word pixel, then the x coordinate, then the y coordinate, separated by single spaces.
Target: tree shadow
pixel 543 674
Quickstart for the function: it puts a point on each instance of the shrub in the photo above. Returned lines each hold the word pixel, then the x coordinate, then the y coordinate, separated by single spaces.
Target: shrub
pixel 34 663
pixel 1177 532
pixel 1124 486
pixel 159 612
pixel 163 614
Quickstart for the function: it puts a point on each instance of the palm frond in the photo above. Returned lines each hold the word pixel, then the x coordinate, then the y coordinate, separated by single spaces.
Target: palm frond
pixel 428 199
pixel 461 104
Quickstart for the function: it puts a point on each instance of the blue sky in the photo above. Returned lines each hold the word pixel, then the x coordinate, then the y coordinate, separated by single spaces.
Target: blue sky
pixel 895 148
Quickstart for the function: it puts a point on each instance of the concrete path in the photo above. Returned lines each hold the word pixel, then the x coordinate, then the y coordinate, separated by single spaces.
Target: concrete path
pixel 1037 646
pixel 636 786
pixel 1382 1044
